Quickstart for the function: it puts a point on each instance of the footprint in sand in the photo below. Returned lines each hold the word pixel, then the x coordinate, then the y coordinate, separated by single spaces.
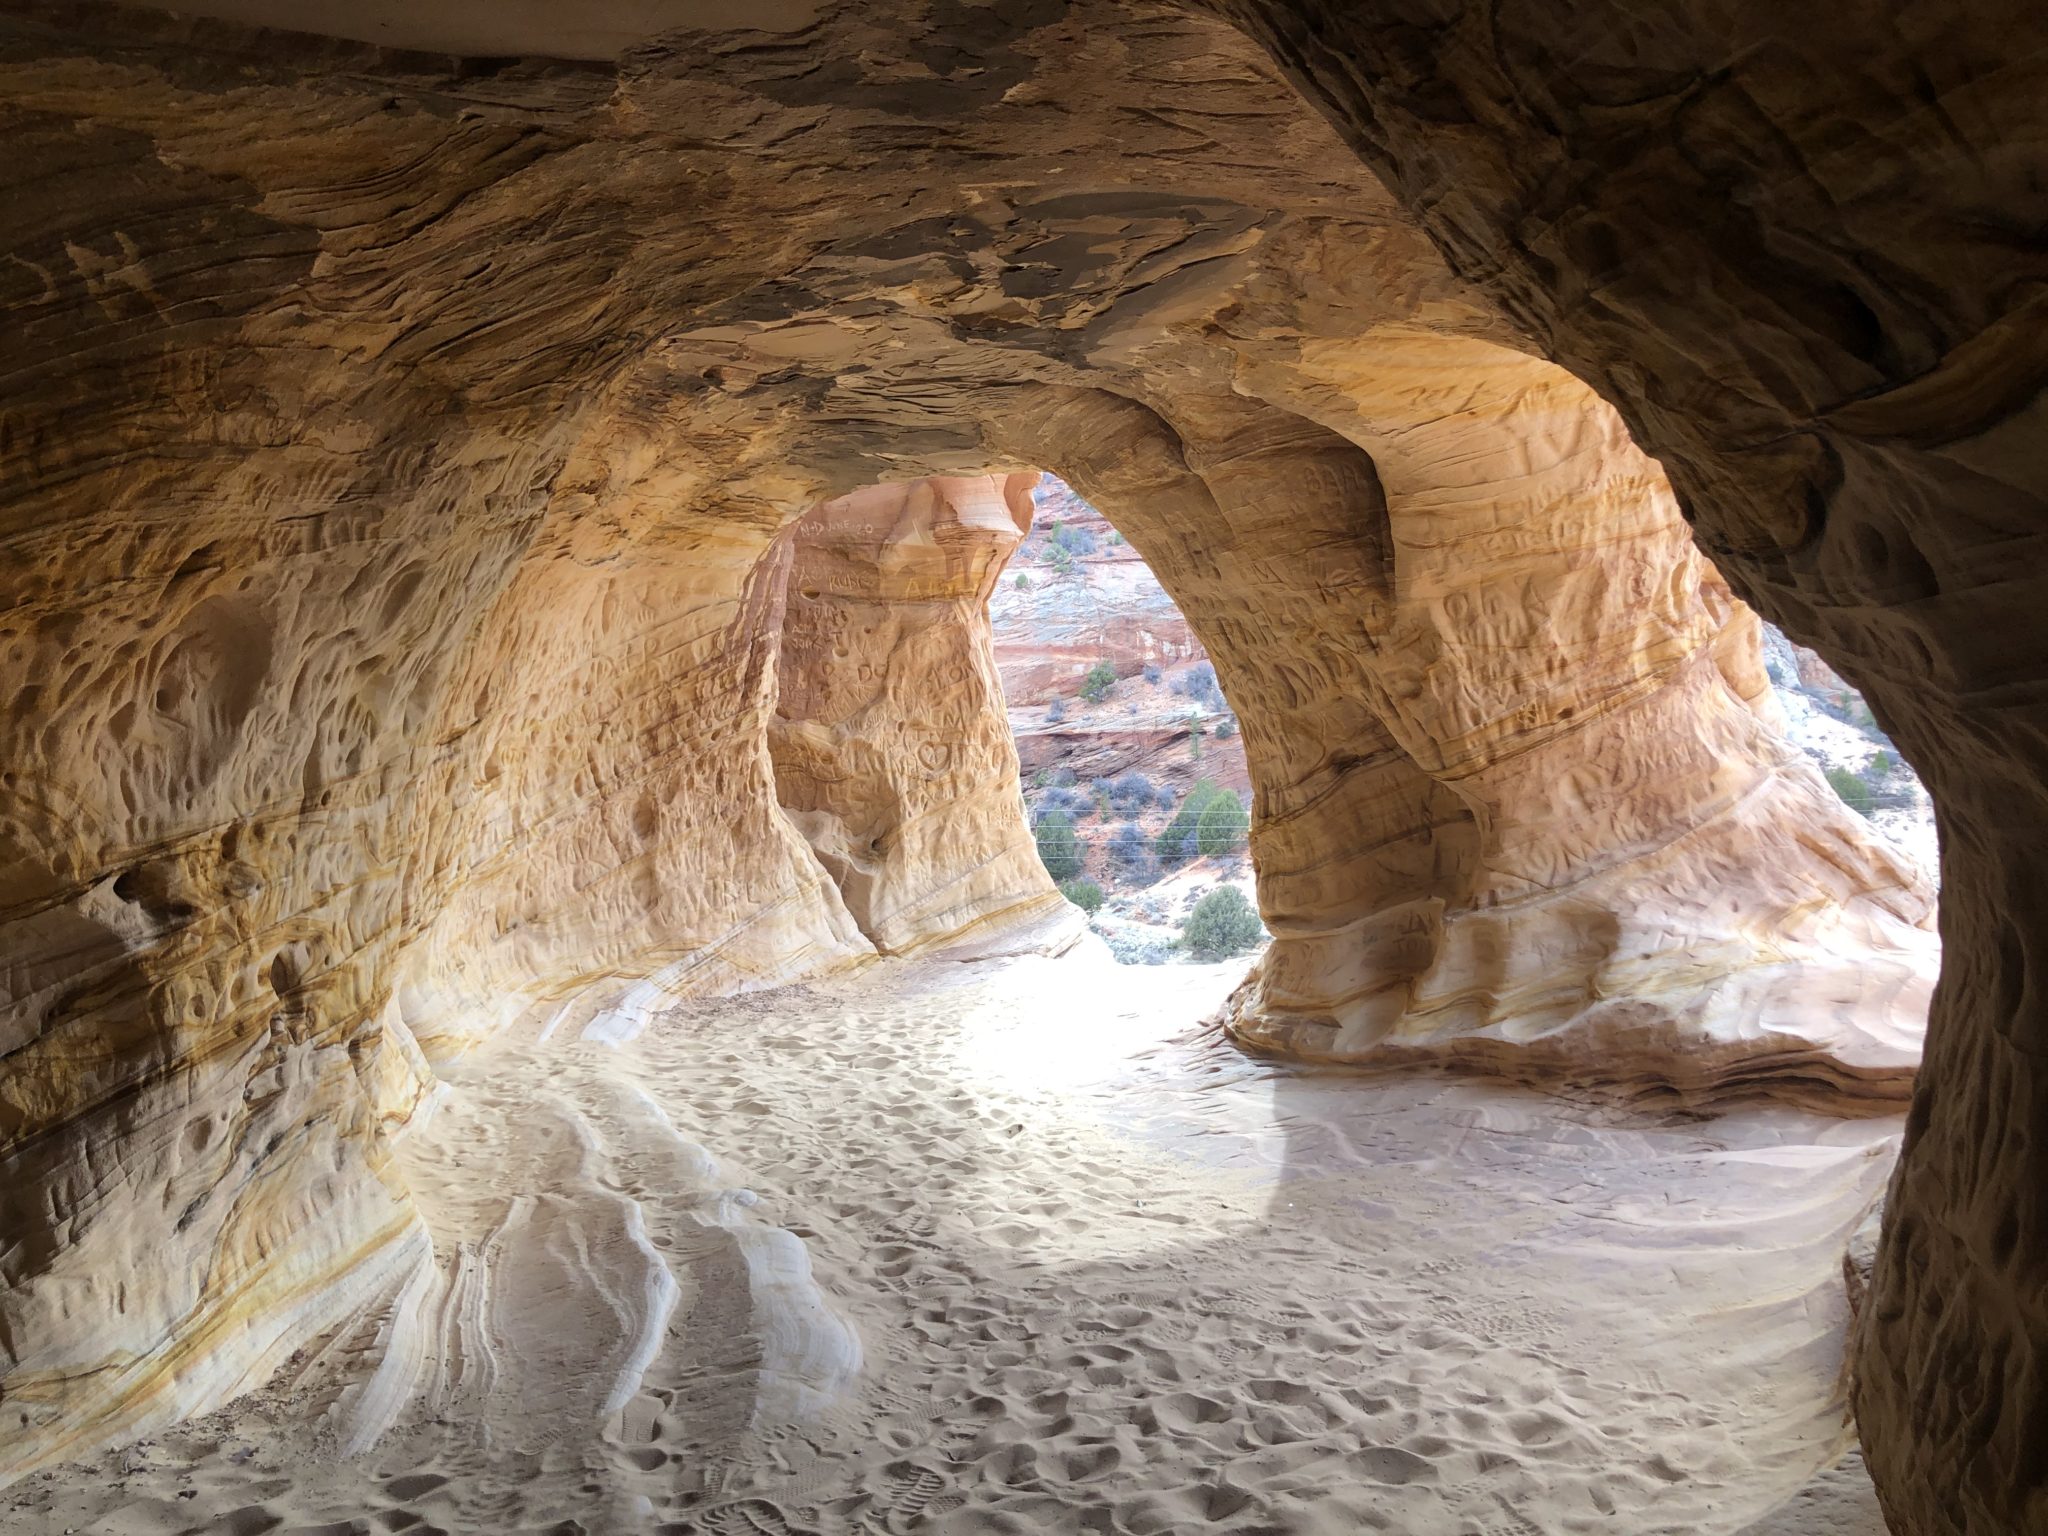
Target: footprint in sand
pixel 912 1491
pixel 1392 1467
pixel 1273 1390
pixel 915 1227
pixel 1090 1462
pixel 1538 1431
pixel 1269 1428
pixel 416 1485
pixel 750 1517
pixel 1182 1411
pixel 893 1261
pixel 1223 1500
pixel 1012 1465
pixel 1123 1319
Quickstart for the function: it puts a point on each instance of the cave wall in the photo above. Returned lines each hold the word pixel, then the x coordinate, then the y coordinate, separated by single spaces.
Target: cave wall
pixel 1521 802
pixel 403 448
pixel 1655 877
pixel 362 690
pixel 309 796
pixel 890 738
pixel 1806 264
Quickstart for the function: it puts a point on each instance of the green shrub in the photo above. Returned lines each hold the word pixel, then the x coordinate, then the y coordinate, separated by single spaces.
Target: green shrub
pixel 1222 825
pixel 1130 854
pixel 1069 802
pixel 1223 924
pixel 1023 582
pixel 1199 683
pixel 1131 792
pixel 1075 541
pixel 1058 849
pixel 1850 786
pixel 1225 728
pixel 1880 767
pixel 1096 685
pixel 1177 843
pixel 1083 893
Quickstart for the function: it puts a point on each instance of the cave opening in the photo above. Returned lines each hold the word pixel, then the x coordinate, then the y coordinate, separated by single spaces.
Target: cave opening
pixel 899 599
pixel 1536 794
pixel 1136 783
pixel 950 641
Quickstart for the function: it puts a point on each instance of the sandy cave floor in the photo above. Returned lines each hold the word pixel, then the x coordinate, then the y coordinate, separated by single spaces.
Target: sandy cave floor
pixel 1014 1246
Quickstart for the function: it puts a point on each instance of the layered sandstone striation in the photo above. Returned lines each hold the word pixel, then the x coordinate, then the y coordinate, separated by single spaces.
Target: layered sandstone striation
pixel 402 453
pixel 368 737
pixel 1635 882
pixel 1806 265
pixel 891 745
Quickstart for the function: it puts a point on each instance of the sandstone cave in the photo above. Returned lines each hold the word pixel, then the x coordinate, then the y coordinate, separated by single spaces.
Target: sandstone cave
pixel 533 1000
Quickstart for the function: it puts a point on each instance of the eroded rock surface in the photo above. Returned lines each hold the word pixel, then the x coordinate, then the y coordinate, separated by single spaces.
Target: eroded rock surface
pixel 1615 872
pixel 399 450
pixel 892 749
pixel 1806 265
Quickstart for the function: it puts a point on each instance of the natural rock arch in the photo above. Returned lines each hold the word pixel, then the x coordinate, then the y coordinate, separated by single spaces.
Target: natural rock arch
pixel 464 477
